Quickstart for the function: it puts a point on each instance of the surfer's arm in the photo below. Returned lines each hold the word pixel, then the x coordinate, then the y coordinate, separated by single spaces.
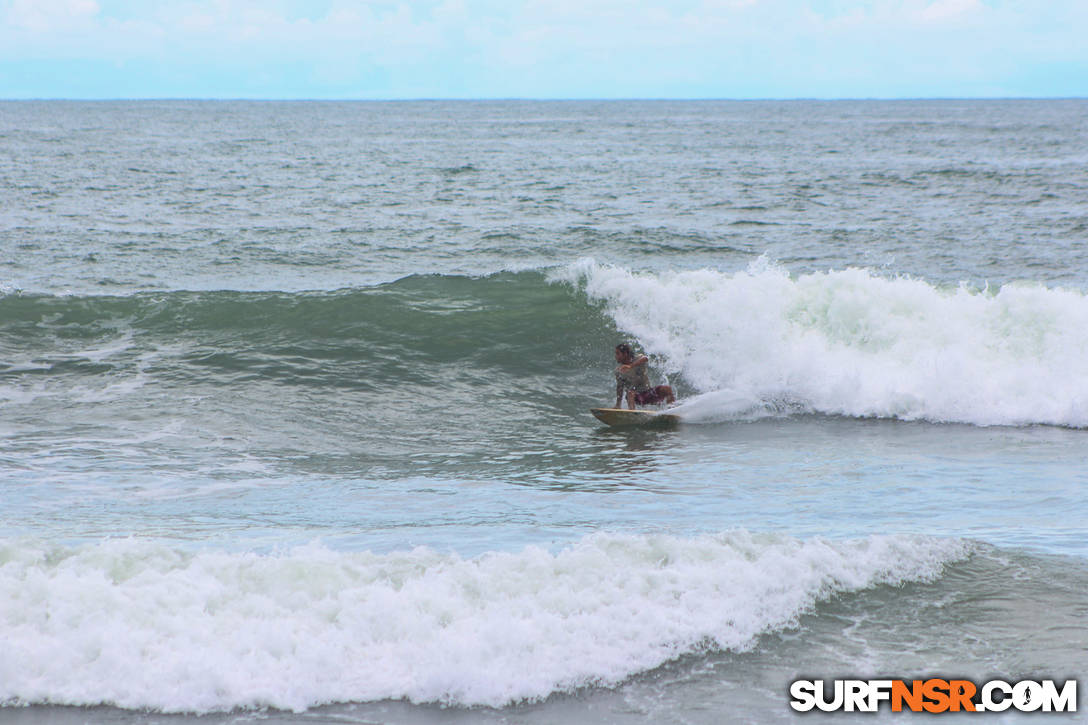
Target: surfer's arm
pixel 635 363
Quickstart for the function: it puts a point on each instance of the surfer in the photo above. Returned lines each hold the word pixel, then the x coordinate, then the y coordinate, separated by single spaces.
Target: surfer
pixel 631 376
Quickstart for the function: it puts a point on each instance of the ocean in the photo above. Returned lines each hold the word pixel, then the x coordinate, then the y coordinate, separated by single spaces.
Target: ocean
pixel 294 407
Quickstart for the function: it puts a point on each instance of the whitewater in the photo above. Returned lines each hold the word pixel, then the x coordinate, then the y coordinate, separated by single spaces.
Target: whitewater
pixel 312 626
pixel 857 343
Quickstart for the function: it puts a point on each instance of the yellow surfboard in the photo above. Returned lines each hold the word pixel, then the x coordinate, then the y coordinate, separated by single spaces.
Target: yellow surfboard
pixel 625 417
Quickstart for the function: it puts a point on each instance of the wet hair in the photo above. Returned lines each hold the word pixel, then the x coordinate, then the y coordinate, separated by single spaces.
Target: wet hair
pixel 624 348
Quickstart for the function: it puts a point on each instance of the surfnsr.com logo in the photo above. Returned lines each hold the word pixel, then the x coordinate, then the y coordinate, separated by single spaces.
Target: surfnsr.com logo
pixel 933 695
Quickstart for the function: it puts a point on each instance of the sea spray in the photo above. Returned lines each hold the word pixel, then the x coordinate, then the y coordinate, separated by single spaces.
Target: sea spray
pixel 855 343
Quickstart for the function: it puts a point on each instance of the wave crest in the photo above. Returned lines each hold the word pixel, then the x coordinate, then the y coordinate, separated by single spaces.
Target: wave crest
pixel 854 343
pixel 140 625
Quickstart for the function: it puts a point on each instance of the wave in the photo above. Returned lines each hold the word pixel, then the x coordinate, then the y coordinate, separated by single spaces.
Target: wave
pixel 391 334
pixel 742 345
pixel 137 624
pixel 852 342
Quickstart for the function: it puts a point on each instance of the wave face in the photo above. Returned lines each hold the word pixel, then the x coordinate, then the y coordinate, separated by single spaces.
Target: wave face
pixel 737 345
pixel 430 318
pixel 855 343
pixel 139 625
pixel 394 331
pixel 742 345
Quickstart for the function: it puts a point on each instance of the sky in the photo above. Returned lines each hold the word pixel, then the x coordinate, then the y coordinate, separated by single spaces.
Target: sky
pixel 406 49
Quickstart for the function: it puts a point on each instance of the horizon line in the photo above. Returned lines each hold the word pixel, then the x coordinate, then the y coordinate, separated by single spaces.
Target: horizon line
pixel 533 99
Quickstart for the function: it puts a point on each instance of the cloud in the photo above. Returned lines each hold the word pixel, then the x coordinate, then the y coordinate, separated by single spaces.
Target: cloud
pixel 955 10
pixel 573 48
pixel 45 16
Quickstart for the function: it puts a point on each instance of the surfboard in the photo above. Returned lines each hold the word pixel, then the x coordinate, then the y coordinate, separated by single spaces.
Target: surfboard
pixel 624 417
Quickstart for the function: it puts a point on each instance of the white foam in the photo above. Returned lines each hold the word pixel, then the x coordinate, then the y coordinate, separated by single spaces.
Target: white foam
pixel 140 625
pixel 855 343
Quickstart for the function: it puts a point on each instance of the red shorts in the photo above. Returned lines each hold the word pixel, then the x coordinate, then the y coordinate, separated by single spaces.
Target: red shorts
pixel 653 396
